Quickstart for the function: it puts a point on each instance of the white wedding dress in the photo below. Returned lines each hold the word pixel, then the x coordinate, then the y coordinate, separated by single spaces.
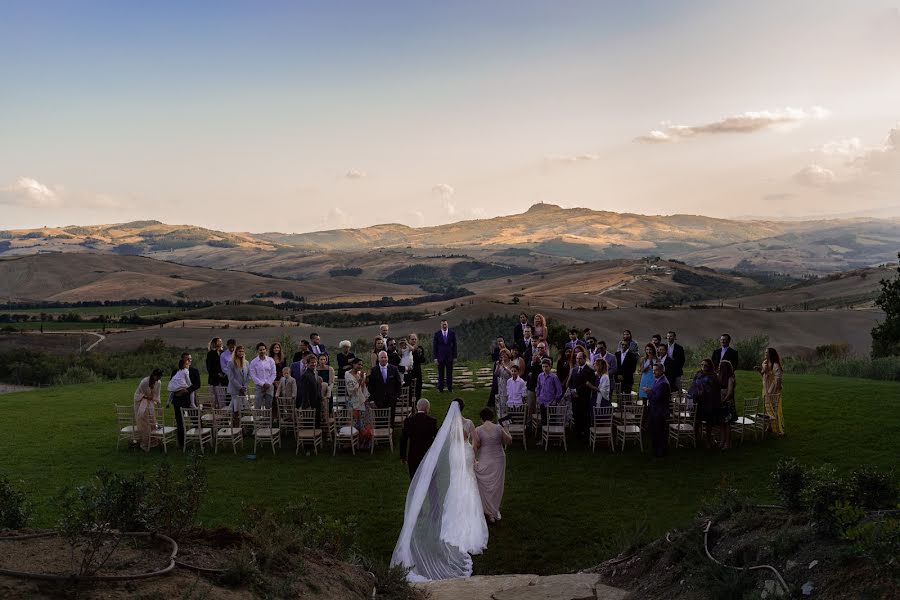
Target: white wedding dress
pixel 443 523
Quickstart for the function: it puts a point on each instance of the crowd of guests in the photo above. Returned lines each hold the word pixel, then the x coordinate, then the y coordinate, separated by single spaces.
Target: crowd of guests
pixel 585 374
pixel 305 381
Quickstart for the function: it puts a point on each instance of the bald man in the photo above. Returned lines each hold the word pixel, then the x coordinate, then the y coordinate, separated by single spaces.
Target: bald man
pixel 419 431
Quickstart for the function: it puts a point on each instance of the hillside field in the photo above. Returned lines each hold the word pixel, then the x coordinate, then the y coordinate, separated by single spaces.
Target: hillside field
pixel 561 511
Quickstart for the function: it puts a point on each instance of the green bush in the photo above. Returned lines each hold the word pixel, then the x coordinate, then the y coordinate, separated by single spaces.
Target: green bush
pixel 824 490
pixel 873 489
pixel 15 510
pixel 76 375
pixel 878 541
pixel 788 480
pixel 750 351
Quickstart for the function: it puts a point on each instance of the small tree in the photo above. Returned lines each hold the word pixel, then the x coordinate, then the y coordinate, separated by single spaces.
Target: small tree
pixel 886 335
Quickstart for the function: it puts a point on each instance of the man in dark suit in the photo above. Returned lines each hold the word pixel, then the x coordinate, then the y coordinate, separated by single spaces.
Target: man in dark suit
pixel 185 398
pixel 384 384
pixel 315 344
pixel 659 397
pixel 725 352
pixel 419 431
pixel 581 380
pixel 627 361
pixel 519 331
pixel 573 340
pixel 675 352
pixel 444 348
pixel 309 392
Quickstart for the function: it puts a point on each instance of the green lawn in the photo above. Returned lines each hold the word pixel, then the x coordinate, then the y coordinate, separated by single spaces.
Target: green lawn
pixel 68 326
pixel 561 511
pixel 112 310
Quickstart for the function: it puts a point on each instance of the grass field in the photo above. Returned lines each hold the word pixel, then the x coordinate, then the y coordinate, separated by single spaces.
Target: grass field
pixel 112 310
pixel 562 511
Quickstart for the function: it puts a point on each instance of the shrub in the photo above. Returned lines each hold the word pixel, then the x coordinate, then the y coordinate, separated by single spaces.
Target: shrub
pixel 750 351
pixel 75 376
pixel 15 510
pixel 390 580
pixel 171 503
pixel 878 541
pixel 788 479
pixel 833 350
pixel 873 489
pixel 825 489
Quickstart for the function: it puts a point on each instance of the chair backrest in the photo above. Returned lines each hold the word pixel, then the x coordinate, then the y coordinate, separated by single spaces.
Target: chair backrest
pixel 191 417
pixel 516 414
pixel 222 418
pixel 306 419
pixel 285 412
pixel 124 415
pixel 632 416
pixel 262 418
pixel 603 416
pixel 751 406
pixel 382 418
pixel 339 389
pixel 343 417
pixel 556 416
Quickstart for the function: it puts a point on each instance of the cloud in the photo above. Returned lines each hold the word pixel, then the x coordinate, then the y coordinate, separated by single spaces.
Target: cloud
pixel 337 218
pixel 814 176
pixel 565 158
pixel 355 174
pixel 445 191
pixel 30 193
pixel 747 122
pixel 885 158
pixel 845 148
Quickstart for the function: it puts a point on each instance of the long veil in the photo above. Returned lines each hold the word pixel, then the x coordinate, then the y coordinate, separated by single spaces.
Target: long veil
pixel 443 522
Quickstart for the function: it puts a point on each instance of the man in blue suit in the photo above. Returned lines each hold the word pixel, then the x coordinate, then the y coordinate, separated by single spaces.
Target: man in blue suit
pixel 444 348
pixel 659 398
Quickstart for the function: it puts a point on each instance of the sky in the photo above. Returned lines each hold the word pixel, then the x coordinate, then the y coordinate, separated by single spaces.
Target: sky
pixel 301 116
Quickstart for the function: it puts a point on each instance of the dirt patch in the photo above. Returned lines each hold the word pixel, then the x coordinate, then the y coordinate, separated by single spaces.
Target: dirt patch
pixel 677 566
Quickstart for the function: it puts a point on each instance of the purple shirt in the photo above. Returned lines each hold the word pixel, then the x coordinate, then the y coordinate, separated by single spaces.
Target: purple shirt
pixel 549 389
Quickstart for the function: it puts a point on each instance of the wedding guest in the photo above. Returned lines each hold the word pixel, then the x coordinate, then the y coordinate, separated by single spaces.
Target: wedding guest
pixel 489 441
pixel 358 402
pixel 302 351
pixel 262 372
pixel 707 397
pixel 727 385
pixel 146 401
pixel 725 352
pixel 406 360
pixel 444 348
pixel 309 389
pixel 573 339
pixel 524 345
pixel 549 388
pixel 280 362
pixel 519 331
pixel 383 331
pixel 647 361
pixel 502 373
pixel 394 357
pixel 515 387
pixel 419 359
pixel 377 346
pixel 226 355
pixel 419 431
pixel 609 358
pixel 668 364
pixel 539 329
pixel 315 344
pixel 675 352
pixel 626 360
pixel 344 357
pixel 184 382
pixel 238 372
pixel 581 382
pixel 631 345
pixel 385 384
pixel 656 339
pixel 563 365
pixel 659 398
pixel 326 374
pixel 216 378
pixel 772 373
pixel 601 368
pixel 287 388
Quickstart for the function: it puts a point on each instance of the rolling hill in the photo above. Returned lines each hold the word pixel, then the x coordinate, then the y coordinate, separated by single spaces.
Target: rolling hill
pixel 545 235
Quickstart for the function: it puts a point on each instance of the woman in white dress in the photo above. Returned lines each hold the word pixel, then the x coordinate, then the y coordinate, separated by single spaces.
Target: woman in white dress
pixel 443 523
pixel 146 400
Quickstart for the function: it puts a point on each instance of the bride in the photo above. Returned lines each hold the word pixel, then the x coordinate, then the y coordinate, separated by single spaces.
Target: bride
pixel 443 523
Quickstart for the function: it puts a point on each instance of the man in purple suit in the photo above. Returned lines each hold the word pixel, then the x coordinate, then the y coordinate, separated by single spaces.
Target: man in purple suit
pixel 444 348
pixel 659 398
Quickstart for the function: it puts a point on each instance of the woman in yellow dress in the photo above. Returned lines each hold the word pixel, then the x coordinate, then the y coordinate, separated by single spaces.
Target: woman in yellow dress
pixel 771 378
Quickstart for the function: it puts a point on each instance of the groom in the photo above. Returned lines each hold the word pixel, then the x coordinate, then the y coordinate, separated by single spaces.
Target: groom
pixel 419 431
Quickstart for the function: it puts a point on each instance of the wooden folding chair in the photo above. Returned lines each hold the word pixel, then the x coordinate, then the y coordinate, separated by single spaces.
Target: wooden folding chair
pixel 517 421
pixel 306 430
pixel 601 427
pixel 263 430
pixel 555 429
pixel 225 432
pixel 194 429
pixel 346 432
pixel 629 424
pixel 382 430
pixel 125 424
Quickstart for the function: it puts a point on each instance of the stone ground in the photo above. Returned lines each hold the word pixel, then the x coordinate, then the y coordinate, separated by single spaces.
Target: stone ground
pixel 579 586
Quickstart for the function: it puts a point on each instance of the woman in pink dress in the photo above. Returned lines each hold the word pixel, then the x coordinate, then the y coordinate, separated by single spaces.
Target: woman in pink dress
pixel 490 468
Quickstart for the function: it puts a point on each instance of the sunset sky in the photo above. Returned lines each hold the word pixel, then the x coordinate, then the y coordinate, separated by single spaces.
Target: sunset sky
pixel 299 116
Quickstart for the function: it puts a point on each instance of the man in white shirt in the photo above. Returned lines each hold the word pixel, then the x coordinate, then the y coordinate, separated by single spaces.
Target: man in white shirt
pixel 262 372
pixel 515 388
